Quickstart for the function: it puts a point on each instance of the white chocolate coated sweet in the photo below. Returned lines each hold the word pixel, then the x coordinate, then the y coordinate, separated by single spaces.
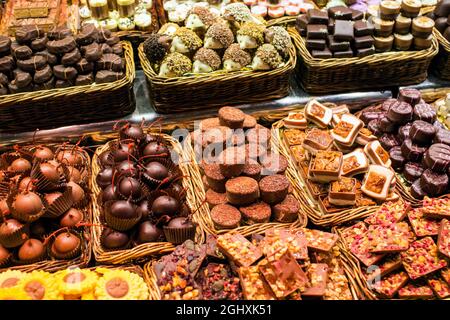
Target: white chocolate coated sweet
pixel 200 67
pixel 246 42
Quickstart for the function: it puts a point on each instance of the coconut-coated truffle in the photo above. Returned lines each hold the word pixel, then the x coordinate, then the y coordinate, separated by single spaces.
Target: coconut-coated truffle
pixel 222 33
pixel 190 39
pixel 178 63
pixel 208 57
pixel 279 38
pixel 253 30
pixel 236 54
pixel 268 54
pixel 156 47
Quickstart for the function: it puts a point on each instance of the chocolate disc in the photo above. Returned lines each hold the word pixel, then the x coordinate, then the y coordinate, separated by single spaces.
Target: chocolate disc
pixel 437 157
pixel 388 141
pixel 425 112
pixel 442 136
pixel 410 96
pixel 32 64
pixel 386 125
pixel 403 132
pixel 368 115
pixel 397 158
pixel 416 190
pixel 400 112
pixel 374 126
pixel 412 151
pixel 422 132
pixel 387 104
pixel 433 183
pixel 412 171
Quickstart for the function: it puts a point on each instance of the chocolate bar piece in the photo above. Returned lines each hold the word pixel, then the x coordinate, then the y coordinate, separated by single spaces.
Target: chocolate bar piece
pixel 440 287
pixel 422 258
pixel 436 208
pixel 61 46
pixel 391 284
pixel 65 73
pixel 363 28
pixel 343 54
pixel 59 33
pixel 302 21
pixel 87 35
pixel 254 287
pixel 29 33
pixel 445 274
pixel 389 213
pixel 218 283
pixel 320 240
pixel 340 13
pixel 335 45
pixel 283 274
pixel 422 226
pixel 276 239
pixel 322 54
pixel 238 249
pixel 389 238
pixel 32 64
pixel 317 31
pixel 51 58
pixel 390 264
pixel 84 79
pixel 71 58
pixel 316 44
pixel 91 52
pixel 43 75
pixel 363 42
pixel 413 291
pixel 357 15
pixel 212 249
pixel 444 238
pixel 318 276
pixel 316 16
pixel 39 44
pixel 343 30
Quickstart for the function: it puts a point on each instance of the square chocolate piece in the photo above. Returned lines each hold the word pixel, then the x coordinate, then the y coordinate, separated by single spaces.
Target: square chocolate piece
pixel 276 239
pixel 343 54
pixel 389 238
pixel 318 276
pixel 440 287
pixel 363 42
pixel 317 31
pixel 316 44
pixel 336 45
pixel 326 166
pixel 316 16
pixel 415 291
pixel 361 53
pixel 343 192
pixel 391 284
pixel 302 21
pixel 331 26
pixel 357 15
pixel 283 274
pixel 363 28
pixel 444 238
pixel 390 264
pixel 436 208
pixel 389 213
pixel 343 30
pixel 322 54
pixel 320 240
pixel 254 287
pixel 340 13
pixel 423 226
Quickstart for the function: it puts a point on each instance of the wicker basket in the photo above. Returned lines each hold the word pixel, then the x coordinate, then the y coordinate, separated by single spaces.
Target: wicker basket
pixel 345 263
pixel 310 206
pixel 171 95
pixel 142 251
pixel 441 63
pixel 47 109
pixel 84 258
pixel 381 70
pixel 205 219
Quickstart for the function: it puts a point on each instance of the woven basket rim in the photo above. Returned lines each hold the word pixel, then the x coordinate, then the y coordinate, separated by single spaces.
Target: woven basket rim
pixel 216 75
pixel 144 250
pixel 307 58
pixel 442 41
pixel 127 80
pixel 85 257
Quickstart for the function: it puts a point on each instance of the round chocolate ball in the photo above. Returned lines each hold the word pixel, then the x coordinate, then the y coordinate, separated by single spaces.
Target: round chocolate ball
pixel 123 209
pixel 71 218
pixel 133 131
pixel 43 153
pixel 165 205
pixel 77 191
pixel 127 168
pixel 20 165
pixel 65 242
pixel 74 174
pixel 144 209
pixel 28 203
pixel 31 249
pixel 123 151
pixel 129 187
pixel 112 239
pixel 26 184
pixel 4 209
pixel 49 171
pixel 108 194
pixel 180 222
pixel 156 170
pixel 149 232
pixel 69 157
pixel 105 159
pixel 104 177
pixel 155 149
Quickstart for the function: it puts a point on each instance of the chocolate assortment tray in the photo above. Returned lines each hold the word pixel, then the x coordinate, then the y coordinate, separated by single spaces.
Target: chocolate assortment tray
pixel 285 264
pixel 240 181
pixel 144 202
pixel 46 212
pixel 336 169
pixel 56 73
pixel 400 252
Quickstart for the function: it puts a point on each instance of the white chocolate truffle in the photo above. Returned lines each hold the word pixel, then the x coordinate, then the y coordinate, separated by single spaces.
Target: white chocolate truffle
pixel 200 18
pixel 266 58
pixel 169 29
pixel 218 36
pixel 206 60
pixel 126 24
pixel 235 58
pixel 185 41
pixel 175 65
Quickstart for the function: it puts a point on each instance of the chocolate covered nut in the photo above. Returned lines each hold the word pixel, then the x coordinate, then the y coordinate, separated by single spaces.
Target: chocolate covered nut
pixel 403 131
pixel 412 151
pixel 386 125
pixel 112 41
pixel 104 48
pixel 6 64
pixel 33 64
pixel 400 112
pixel 21 52
pixel 22 79
pixel 61 46
pixel 5 44
pixel 91 52
pixel 51 58
pixel 65 73
pixel 84 79
pixel 397 158
pixel 50 84
pixel 83 66
pixel 39 44
pixel 425 112
pixel 43 75
pixel 71 58
pixel 412 171
pixel 110 61
pixel 422 132
pixel 416 190
pixel 104 76
pixel 442 8
pixel 433 183
pixel 59 33
pixel 29 33
pixel 117 49
pixel 410 96
pixel 437 157
pixel 87 35
pixel 388 141
pixel 60 84
pixel 442 136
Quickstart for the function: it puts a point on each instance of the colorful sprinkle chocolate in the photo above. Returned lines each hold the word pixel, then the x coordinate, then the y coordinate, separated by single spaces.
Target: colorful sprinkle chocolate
pixel 389 212
pixel 422 226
